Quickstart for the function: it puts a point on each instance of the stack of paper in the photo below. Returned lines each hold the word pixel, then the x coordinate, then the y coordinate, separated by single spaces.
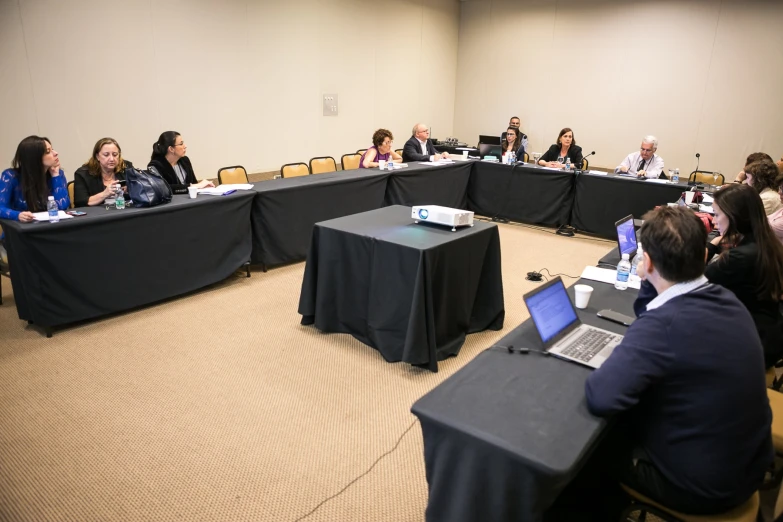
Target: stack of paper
pixel 44 216
pixel 223 189
pixel 655 180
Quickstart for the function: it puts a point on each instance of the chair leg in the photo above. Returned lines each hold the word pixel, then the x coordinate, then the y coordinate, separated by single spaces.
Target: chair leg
pixel 48 330
pixel 247 268
pixel 263 268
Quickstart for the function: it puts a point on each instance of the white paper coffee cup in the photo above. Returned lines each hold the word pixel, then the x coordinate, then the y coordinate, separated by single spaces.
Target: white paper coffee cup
pixel 465 154
pixel 192 191
pixel 381 164
pixel 582 295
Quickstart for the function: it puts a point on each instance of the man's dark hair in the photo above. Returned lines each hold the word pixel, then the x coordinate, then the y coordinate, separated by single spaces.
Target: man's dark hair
pixel 675 239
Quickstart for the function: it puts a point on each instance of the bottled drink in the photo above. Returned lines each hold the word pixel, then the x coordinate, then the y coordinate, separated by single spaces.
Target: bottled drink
pixel 623 272
pixel 119 198
pixel 637 259
pixel 54 210
pixel 676 177
pixel 512 158
pixel 568 164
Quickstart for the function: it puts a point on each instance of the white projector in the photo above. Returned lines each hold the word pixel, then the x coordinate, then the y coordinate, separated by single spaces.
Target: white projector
pixel 451 217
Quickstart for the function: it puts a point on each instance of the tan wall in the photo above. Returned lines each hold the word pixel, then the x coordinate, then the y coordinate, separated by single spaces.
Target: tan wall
pixel 242 80
pixel 702 75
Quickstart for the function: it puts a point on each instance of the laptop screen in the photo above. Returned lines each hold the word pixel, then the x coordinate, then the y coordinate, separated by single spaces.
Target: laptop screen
pixel 626 236
pixel 551 309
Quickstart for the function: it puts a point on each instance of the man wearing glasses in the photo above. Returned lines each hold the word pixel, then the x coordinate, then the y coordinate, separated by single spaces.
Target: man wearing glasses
pixel 644 163
pixel 419 147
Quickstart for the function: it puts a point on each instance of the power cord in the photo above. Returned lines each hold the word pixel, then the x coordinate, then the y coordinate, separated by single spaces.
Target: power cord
pixel 549 230
pixel 324 501
pixel 538 276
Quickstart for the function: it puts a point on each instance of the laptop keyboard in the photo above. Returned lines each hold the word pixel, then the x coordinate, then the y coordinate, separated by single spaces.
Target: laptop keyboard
pixel 587 345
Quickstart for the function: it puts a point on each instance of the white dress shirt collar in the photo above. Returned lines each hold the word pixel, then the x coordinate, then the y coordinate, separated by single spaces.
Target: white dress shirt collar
pixel 676 290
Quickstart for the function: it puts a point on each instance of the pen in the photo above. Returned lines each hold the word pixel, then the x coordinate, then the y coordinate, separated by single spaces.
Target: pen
pixel 226 193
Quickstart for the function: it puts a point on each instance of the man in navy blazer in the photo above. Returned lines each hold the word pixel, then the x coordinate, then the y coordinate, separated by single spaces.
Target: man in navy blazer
pixel 419 147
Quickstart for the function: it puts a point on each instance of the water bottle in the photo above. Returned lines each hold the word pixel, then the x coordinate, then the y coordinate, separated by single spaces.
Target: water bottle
pixel 568 164
pixel 676 177
pixel 54 210
pixel 637 259
pixel 512 158
pixel 623 271
pixel 119 199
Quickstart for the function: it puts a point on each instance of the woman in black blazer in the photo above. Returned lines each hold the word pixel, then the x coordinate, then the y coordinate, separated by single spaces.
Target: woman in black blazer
pixel 565 147
pixel 96 180
pixel 749 262
pixel 168 158
pixel 513 143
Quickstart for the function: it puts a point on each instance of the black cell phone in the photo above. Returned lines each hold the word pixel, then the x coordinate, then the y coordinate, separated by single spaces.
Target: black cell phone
pixel 76 213
pixel 616 317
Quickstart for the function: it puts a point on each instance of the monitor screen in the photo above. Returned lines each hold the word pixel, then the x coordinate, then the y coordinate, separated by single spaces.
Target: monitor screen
pixel 626 236
pixel 551 309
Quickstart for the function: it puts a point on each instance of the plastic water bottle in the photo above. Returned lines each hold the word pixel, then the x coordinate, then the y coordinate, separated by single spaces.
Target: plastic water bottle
pixel 568 164
pixel 637 259
pixel 676 177
pixel 512 158
pixel 623 272
pixel 119 199
pixel 54 210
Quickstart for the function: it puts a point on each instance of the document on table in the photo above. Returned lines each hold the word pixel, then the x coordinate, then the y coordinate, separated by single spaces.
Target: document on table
pixel 706 198
pixel 597 172
pixel 655 180
pixel 604 275
pixel 223 189
pixel 438 163
pixel 706 208
pixel 44 216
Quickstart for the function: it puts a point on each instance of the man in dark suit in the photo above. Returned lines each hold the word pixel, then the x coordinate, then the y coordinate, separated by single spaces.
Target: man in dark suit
pixel 419 147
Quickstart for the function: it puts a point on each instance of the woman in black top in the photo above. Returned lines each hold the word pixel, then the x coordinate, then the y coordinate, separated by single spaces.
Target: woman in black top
pixel 749 262
pixel 168 158
pixel 512 143
pixel 565 147
pixel 96 180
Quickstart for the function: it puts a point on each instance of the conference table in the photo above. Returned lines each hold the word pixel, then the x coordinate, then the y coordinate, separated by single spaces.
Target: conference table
pixel 506 434
pixel 112 260
pixel 413 291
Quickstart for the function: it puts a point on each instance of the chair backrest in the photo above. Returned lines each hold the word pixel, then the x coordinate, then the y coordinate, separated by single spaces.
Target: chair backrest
pixel 350 161
pixel 361 151
pixel 705 176
pixel 70 193
pixel 398 151
pixel 293 170
pixel 232 175
pixel 323 164
pixel 526 157
pixel 585 164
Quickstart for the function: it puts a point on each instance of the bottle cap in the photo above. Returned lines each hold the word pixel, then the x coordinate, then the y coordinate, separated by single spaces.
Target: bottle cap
pixel 625 257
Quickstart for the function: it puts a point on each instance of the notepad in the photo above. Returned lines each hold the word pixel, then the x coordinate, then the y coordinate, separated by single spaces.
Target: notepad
pixel 44 216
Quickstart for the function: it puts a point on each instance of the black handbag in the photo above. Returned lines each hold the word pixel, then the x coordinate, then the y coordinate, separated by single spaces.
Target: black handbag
pixel 147 188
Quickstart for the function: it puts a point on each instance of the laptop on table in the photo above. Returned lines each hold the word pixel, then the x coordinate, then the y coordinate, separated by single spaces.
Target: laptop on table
pixel 561 331
pixel 626 237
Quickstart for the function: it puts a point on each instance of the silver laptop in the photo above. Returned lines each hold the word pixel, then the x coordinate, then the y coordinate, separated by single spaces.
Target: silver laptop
pixel 561 331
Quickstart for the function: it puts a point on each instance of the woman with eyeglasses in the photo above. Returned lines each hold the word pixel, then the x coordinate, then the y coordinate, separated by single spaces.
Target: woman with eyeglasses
pixel 381 149
pixel 761 176
pixel 565 148
pixel 747 259
pixel 513 143
pixel 34 175
pixel 169 159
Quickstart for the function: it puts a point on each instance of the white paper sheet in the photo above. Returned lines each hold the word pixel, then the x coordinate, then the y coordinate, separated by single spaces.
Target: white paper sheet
pixel 605 275
pixel 598 172
pixel 222 189
pixel 44 216
pixel 656 180
pixel 706 198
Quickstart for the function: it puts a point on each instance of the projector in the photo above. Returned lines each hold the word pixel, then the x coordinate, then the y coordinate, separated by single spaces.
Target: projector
pixel 450 217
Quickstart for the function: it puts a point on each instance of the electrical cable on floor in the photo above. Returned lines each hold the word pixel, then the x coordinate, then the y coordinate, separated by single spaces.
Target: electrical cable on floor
pixel 324 501
pixel 549 230
pixel 538 276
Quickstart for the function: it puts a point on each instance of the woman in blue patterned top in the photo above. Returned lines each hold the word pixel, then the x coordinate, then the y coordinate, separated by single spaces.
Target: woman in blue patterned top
pixel 34 176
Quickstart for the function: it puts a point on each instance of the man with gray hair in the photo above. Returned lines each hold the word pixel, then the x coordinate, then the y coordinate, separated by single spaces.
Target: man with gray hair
pixel 419 147
pixel 644 163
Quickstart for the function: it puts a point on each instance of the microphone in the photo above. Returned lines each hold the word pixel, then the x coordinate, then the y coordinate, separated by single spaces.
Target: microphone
pixel 584 158
pixel 697 161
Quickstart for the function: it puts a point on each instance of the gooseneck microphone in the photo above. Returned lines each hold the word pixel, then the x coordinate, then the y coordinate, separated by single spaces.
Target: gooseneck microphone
pixel 697 161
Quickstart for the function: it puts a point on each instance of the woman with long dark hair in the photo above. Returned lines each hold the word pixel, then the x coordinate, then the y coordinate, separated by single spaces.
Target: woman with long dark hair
pixel 513 143
pixel 34 175
pixel 169 159
pixel 749 262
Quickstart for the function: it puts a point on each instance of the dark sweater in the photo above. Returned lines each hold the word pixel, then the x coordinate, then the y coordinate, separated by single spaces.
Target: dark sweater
pixel 86 185
pixel 691 376
pixel 737 271
pixel 574 152
pixel 167 171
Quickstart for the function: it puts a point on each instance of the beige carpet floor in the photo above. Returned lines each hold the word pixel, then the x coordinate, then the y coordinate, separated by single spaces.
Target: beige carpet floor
pixel 220 406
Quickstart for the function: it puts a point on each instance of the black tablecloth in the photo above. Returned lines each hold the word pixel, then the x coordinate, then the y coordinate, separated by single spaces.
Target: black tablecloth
pixel 421 184
pixel 504 435
pixel 529 194
pixel 114 260
pixel 412 291
pixel 600 201
pixel 285 210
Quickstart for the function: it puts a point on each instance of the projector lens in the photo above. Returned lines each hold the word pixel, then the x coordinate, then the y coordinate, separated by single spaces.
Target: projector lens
pixel 423 214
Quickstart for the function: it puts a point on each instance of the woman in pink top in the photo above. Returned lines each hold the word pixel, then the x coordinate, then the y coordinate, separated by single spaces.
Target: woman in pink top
pixel 382 141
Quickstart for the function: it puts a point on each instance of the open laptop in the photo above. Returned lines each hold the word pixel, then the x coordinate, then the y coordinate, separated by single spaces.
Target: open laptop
pixel 486 149
pixel 626 236
pixel 489 140
pixel 561 331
